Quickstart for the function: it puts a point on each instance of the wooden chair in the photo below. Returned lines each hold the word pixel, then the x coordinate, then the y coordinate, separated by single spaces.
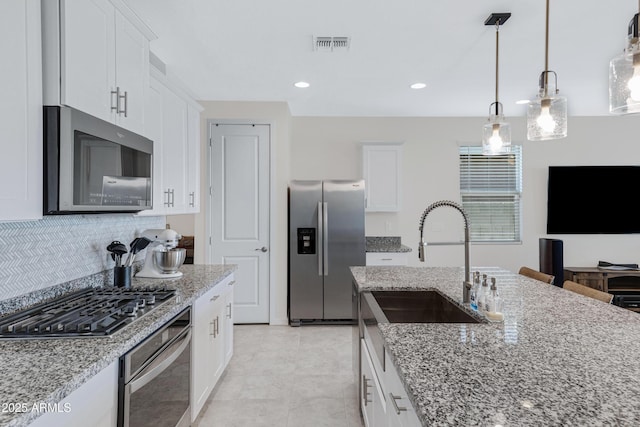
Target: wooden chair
pixel 587 291
pixel 535 274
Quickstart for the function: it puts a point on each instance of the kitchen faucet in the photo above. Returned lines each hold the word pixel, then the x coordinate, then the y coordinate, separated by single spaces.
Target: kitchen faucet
pixel 466 285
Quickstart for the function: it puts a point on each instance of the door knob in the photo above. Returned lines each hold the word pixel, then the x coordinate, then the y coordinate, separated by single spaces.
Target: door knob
pixel 263 249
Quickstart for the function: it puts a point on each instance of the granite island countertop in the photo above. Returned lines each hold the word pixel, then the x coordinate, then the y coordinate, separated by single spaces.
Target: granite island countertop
pixel 48 370
pixel 385 244
pixel 557 359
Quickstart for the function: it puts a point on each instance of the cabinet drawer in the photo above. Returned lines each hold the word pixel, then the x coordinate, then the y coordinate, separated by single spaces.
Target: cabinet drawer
pixel 595 281
pixel 387 258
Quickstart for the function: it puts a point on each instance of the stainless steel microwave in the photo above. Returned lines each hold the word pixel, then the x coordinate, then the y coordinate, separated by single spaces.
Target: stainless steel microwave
pixel 93 166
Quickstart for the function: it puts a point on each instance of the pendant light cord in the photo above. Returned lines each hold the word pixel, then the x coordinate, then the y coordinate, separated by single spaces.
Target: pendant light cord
pixel 497 53
pixel 546 52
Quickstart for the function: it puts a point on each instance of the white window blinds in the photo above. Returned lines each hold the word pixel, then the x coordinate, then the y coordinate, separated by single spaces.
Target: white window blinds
pixel 490 189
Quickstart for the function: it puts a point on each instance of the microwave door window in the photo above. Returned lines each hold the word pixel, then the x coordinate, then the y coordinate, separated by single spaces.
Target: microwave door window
pixel 110 174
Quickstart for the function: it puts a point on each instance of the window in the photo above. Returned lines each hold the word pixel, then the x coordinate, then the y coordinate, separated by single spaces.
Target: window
pixel 491 189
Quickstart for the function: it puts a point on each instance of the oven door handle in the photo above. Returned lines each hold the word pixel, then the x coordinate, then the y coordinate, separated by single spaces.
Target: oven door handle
pixel 161 363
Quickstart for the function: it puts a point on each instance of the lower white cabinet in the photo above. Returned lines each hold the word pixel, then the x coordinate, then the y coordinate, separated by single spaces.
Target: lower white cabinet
pixel 400 411
pixel 387 258
pixel 372 399
pixel 94 403
pixel 212 333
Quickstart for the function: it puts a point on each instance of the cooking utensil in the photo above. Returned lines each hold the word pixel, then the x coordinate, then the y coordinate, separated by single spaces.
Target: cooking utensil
pixel 169 261
pixel 117 249
pixel 138 244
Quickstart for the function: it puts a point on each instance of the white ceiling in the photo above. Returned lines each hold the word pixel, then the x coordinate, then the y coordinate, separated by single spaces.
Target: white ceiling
pixel 254 50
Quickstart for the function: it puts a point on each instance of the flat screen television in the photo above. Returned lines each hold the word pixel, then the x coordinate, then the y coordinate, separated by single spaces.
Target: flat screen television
pixel 593 200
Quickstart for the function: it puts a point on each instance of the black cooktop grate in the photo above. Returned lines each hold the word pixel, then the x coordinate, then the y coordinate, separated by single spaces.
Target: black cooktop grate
pixel 89 312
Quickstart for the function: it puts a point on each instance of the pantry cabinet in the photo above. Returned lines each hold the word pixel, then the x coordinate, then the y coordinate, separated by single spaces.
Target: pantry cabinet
pixel 20 111
pixel 174 127
pixel 212 333
pixel 97 60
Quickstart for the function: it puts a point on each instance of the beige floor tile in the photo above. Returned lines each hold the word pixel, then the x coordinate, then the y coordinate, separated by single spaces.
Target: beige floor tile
pixel 318 412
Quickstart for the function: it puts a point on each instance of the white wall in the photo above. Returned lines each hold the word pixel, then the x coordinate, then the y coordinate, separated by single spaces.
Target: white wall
pixel 278 115
pixel 323 148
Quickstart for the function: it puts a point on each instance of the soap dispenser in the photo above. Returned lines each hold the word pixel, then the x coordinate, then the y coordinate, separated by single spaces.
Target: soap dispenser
pixel 483 292
pixel 473 293
pixel 494 303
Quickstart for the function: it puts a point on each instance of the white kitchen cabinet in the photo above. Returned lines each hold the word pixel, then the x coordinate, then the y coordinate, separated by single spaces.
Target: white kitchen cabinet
pixel 97 60
pixel 372 400
pixel 382 173
pixel 173 121
pixel 208 345
pixel 400 411
pixel 20 111
pixel 387 258
pixel 228 324
pixel 94 403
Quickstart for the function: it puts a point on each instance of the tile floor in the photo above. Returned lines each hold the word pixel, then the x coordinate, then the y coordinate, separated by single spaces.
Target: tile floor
pixel 286 376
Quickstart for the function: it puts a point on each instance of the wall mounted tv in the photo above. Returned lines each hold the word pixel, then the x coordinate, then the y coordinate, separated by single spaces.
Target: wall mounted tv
pixel 593 200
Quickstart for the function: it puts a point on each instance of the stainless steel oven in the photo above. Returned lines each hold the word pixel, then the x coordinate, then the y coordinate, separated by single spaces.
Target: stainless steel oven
pixel 154 380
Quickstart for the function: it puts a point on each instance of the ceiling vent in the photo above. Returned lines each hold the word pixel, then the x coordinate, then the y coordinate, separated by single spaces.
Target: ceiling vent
pixel 330 44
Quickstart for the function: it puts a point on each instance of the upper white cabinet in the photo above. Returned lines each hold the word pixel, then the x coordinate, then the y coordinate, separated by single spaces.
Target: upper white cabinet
pixel 173 123
pixel 20 111
pixel 97 60
pixel 382 173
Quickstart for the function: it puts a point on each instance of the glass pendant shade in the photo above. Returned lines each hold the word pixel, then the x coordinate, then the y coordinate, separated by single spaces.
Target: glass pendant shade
pixel 624 82
pixel 496 135
pixel 547 115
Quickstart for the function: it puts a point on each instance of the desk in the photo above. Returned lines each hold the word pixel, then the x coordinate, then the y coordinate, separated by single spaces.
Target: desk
pixel 617 282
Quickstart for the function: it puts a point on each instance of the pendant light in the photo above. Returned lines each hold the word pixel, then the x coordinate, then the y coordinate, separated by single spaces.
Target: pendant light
pixel 496 134
pixel 624 74
pixel 547 114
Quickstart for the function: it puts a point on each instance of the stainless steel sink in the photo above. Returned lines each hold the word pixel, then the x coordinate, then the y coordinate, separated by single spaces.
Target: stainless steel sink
pixel 420 307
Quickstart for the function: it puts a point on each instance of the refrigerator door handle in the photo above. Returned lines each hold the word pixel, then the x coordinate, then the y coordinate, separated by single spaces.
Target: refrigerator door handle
pixel 325 237
pixel 320 236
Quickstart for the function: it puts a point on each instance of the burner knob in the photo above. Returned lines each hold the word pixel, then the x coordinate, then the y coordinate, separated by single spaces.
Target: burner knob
pixel 131 310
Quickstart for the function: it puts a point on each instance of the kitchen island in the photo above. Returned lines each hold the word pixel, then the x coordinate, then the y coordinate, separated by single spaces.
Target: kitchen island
pixel 39 373
pixel 557 359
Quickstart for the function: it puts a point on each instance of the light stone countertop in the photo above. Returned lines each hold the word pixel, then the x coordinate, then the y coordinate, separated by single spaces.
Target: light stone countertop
pixel 385 244
pixel 558 359
pixel 48 370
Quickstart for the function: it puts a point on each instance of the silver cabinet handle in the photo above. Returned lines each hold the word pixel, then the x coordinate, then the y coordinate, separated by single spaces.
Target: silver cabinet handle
pixel 229 313
pixel 115 105
pixel 395 404
pixel 192 199
pixel 217 326
pixel 167 193
pixel 125 109
pixel 365 390
pixel 173 197
pixel 212 331
pixel 215 297
pixel 262 249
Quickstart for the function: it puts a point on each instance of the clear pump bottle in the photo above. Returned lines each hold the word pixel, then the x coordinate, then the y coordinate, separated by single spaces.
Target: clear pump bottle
pixel 475 288
pixel 494 303
pixel 483 292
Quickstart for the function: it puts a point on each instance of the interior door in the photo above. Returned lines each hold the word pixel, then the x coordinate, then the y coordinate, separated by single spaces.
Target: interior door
pixel 239 213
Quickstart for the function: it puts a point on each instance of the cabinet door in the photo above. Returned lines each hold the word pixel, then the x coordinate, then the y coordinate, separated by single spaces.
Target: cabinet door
pixel 201 381
pixel 387 258
pixel 96 400
pixel 228 325
pixel 381 169
pixel 399 408
pixel 132 74
pixel 20 111
pixel 153 130
pixel 174 151
pixel 88 56
pixel 193 160
pixel 372 402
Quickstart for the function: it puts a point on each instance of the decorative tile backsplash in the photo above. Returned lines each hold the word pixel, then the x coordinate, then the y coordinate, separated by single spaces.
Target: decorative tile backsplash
pixel 56 249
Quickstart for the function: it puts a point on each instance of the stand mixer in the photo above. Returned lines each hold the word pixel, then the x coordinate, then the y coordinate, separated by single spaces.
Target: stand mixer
pixel 163 242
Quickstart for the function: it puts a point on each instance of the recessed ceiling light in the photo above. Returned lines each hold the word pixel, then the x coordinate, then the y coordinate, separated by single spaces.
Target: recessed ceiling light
pixel 522 102
pixel 301 84
pixel 418 86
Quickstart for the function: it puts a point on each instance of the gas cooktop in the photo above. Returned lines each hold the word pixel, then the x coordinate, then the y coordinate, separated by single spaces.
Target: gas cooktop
pixel 93 312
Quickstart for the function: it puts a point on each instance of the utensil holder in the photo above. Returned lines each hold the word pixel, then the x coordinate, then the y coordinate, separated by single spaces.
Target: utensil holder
pixel 122 277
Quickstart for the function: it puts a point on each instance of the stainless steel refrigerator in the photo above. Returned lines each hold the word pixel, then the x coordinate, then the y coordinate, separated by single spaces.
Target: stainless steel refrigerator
pixel 326 237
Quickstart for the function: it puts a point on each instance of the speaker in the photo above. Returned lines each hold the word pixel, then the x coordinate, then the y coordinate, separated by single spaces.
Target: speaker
pixel 551 261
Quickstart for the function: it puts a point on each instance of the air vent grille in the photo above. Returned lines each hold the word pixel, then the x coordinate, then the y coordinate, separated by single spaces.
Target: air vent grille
pixel 331 44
